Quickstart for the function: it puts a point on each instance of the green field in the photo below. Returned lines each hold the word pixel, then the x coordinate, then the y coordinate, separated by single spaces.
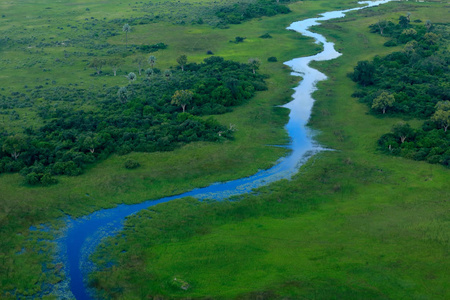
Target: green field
pixel 354 224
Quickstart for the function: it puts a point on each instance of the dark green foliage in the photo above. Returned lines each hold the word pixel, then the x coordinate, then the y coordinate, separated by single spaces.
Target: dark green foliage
pixel 265 36
pixel 363 73
pixel 429 143
pixel 131 164
pixel 45 179
pixel 145 121
pixel 417 76
pixel 238 39
pixel 403 21
pixel 390 43
pixel 418 79
pixel 240 12
pixel 272 59
pixel 151 48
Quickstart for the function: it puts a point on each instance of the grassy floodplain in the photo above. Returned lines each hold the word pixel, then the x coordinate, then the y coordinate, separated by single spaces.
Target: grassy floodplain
pixel 352 212
pixel 26 254
pixel 354 224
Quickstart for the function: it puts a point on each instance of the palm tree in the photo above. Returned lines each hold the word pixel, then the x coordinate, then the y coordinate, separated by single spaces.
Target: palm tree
pixel 151 60
pixel 167 74
pixel 149 72
pixel 131 77
pixel 126 28
pixel 123 94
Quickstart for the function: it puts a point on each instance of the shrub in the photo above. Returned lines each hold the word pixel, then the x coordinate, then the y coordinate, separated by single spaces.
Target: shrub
pixel 47 179
pixel 131 164
pixel 265 36
pixel 32 179
pixel 391 43
pixel 272 59
pixel 238 39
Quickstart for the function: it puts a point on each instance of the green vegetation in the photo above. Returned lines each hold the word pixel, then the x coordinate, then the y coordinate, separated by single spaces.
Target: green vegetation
pixel 412 82
pixel 353 224
pixel 108 183
pixel 142 116
pixel 239 12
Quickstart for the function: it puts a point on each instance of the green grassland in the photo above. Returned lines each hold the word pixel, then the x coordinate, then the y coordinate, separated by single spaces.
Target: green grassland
pixel 108 183
pixel 353 223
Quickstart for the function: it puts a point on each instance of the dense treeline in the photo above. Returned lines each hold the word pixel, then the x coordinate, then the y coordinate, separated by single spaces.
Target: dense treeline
pixel 159 113
pixel 413 82
pixel 239 12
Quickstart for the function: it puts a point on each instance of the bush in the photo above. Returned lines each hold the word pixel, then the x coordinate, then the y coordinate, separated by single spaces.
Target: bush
pixel 131 164
pixel 265 36
pixel 238 39
pixel 32 179
pixel 272 59
pixel 390 43
pixel 47 179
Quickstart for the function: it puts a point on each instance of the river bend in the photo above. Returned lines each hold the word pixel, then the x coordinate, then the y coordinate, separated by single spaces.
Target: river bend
pixel 83 235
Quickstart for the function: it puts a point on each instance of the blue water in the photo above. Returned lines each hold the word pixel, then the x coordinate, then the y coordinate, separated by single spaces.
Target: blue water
pixel 83 235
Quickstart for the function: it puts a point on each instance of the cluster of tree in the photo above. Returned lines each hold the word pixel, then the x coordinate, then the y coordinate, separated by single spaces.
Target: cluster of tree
pixel 239 12
pixel 151 48
pixel 409 82
pixel 431 142
pixel 412 82
pixel 156 113
pixel 400 32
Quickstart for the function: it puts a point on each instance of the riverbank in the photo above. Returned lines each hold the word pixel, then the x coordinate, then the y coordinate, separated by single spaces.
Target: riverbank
pixel 353 224
pixel 26 254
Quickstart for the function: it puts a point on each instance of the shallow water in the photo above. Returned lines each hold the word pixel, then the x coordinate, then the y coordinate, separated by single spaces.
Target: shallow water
pixel 83 235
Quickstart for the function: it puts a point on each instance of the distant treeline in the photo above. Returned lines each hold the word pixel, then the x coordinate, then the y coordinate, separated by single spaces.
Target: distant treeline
pixel 142 116
pixel 413 82
pixel 239 12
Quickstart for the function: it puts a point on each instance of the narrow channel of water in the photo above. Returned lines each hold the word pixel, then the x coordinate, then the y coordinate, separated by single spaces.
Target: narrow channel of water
pixel 83 235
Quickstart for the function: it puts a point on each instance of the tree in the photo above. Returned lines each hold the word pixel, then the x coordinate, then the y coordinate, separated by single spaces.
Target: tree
pixel 382 24
pixel 403 131
pixel 431 38
pixel 123 94
pixel 428 24
pixel 14 145
pixel 131 77
pixel 363 73
pixel 383 101
pixel 91 141
pixel 182 98
pixel 254 64
pixel 442 114
pixel 97 64
pixel 149 72
pixel 126 28
pixel 114 63
pixel 140 61
pixel 410 48
pixel 151 60
pixel 403 21
pixel 167 74
pixel 182 61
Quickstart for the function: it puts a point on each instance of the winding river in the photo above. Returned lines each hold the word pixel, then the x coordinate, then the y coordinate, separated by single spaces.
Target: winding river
pixel 83 235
